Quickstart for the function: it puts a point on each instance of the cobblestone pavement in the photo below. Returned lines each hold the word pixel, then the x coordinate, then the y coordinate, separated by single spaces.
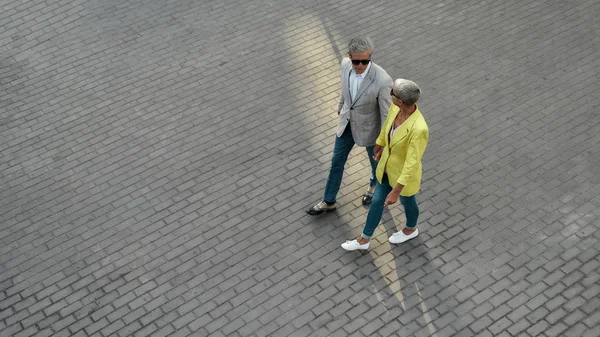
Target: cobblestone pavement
pixel 157 158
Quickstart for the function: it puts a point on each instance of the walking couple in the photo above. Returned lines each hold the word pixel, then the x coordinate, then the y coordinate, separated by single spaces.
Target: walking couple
pixel 382 116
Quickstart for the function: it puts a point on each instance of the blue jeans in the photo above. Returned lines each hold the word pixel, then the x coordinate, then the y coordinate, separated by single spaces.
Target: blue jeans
pixel 342 147
pixel 411 210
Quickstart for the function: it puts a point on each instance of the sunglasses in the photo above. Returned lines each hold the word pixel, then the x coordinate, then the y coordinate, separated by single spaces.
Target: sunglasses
pixel 392 93
pixel 364 62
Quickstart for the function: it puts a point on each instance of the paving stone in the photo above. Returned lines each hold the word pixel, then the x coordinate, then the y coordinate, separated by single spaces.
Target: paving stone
pixel 577 330
pixel 538 328
pixel 574 317
pixel 555 316
pixel 555 302
pixel 556 330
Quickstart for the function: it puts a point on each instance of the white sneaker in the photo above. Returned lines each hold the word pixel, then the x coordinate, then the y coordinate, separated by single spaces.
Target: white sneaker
pixel 400 237
pixel 354 245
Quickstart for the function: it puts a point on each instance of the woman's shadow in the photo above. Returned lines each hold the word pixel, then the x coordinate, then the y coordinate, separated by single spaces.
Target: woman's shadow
pixel 407 284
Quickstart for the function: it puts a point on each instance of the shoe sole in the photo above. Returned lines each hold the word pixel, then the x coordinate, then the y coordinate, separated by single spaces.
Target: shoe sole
pixel 352 250
pixel 324 211
pixel 397 243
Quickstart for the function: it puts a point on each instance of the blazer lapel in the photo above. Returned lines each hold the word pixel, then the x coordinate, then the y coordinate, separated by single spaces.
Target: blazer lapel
pixel 388 127
pixel 401 132
pixel 404 129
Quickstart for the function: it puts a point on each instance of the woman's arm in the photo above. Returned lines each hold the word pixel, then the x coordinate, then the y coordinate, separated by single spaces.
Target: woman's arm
pixel 414 154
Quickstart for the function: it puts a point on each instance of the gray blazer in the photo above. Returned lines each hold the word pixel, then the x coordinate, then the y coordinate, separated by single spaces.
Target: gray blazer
pixel 369 110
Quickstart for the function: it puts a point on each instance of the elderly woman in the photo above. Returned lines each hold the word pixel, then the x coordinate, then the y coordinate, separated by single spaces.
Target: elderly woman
pixel 400 147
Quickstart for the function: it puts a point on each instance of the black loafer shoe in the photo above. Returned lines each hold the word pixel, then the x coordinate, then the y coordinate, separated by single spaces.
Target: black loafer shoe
pixel 368 197
pixel 321 207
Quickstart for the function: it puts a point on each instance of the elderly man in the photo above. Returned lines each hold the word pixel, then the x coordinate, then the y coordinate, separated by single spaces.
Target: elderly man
pixel 400 147
pixel 362 109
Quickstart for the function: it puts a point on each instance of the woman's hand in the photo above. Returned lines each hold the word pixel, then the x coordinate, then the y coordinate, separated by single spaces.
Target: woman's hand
pixel 378 150
pixel 394 194
pixel 391 198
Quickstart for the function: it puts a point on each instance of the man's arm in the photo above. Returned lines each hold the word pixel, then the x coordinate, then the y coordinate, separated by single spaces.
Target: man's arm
pixel 341 102
pixel 384 98
pixel 343 64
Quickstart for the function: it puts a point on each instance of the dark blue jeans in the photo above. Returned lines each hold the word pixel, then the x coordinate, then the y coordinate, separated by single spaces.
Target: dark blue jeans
pixel 411 209
pixel 342 147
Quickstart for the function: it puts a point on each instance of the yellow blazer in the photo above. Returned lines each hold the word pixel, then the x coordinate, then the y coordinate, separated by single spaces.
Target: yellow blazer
pixel 401 155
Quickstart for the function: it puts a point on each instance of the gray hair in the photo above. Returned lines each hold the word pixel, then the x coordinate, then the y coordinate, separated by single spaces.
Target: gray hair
pixel 360 44
pixel 408 91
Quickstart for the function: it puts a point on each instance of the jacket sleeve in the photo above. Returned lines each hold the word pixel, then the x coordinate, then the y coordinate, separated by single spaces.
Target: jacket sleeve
pixel 341 102
pixel 381 139
pixel 414 154
pixel 384 98
pixel 342 67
